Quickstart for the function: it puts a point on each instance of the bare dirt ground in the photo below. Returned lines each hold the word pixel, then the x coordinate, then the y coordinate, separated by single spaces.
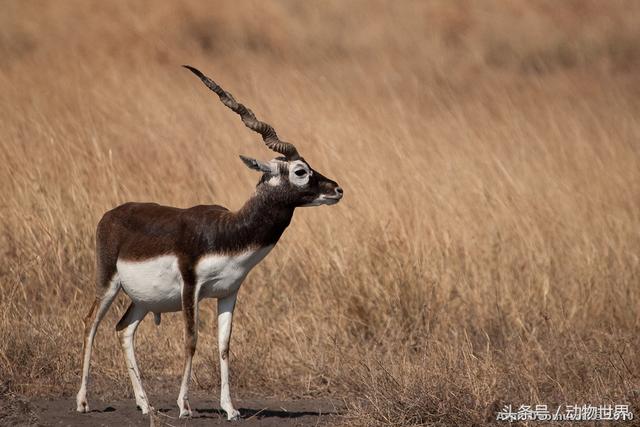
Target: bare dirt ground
pixel 255 412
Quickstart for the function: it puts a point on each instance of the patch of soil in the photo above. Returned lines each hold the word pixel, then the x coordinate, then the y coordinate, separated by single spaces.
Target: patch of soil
pixel 255 412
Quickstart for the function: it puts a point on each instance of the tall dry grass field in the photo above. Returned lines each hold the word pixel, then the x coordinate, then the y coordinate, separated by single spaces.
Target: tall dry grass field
pixel 487 248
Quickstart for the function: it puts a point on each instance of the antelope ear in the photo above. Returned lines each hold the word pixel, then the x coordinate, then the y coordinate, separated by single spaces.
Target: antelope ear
pixel 256 164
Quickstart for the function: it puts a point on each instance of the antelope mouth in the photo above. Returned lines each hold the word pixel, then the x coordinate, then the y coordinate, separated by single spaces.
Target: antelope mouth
pixel 324 199
pixel 329 200
pixel 332 199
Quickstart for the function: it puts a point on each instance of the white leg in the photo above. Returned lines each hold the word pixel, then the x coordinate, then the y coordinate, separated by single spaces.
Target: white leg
pixel 91 323
pixel 126 331
pixel 183 397
pixel 225 318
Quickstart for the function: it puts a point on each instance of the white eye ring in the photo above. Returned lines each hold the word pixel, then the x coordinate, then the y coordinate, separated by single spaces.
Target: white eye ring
pixel 299 173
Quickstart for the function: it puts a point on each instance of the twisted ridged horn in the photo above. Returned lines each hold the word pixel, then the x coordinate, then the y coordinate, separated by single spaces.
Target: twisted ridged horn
pixel 268 133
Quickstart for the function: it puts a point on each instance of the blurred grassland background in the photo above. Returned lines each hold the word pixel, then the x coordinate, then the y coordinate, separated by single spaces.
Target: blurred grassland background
pixel 487 248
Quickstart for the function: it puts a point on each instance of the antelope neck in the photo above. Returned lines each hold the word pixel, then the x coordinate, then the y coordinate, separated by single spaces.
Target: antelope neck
pixel 262 220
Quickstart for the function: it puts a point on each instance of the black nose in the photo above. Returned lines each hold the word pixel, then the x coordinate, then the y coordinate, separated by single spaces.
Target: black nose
pixel 339 190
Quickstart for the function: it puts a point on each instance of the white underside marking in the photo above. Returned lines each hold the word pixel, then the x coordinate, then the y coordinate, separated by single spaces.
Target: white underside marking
pixel 219 276
pixel 157 283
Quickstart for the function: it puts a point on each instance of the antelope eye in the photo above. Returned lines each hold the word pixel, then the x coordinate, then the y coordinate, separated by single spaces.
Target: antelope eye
pixel 300 172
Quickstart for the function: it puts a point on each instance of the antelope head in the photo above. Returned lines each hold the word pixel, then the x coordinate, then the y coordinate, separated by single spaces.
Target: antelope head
pixel 288 178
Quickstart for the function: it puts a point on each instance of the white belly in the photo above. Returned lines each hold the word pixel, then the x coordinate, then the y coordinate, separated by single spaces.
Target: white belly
pixel 157 283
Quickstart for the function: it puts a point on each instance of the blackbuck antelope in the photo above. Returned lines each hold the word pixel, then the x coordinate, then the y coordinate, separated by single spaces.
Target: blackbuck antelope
pixel 167 259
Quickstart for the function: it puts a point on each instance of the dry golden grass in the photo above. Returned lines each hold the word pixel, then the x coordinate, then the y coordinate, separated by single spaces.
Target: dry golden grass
pixel 487 248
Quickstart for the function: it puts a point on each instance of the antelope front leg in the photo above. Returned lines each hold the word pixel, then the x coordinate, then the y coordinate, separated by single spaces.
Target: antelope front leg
pixel 225 318
pixel 190 312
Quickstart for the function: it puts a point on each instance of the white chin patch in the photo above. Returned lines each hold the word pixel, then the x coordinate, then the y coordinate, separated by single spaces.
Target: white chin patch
pixel 322 200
